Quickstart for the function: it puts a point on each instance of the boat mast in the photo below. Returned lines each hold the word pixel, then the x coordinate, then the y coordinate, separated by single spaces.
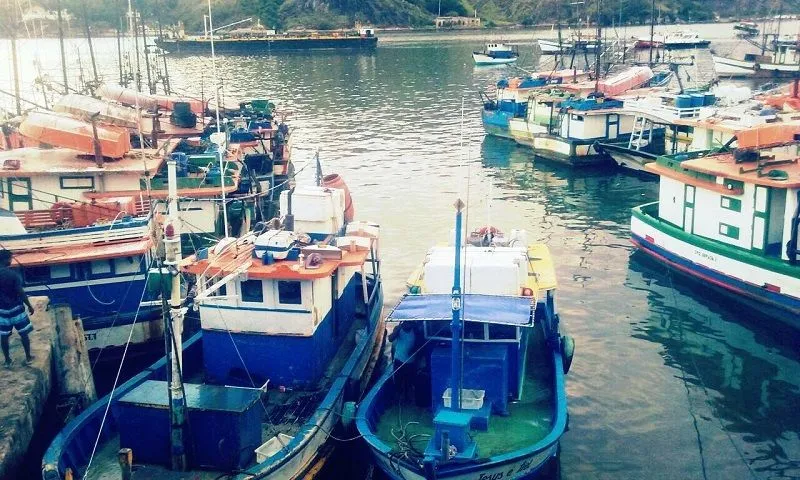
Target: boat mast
pixel 150 86
pixel 89 39
pixel 133 25
pixel 16 70
pixel 216 111
pixel 652 30
pixel 172 244
pixel 455 324
pixel 61 46
pixel 597 50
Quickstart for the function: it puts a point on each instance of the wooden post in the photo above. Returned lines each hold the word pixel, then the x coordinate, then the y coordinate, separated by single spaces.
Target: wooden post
pixel 125 458
pixel 71 357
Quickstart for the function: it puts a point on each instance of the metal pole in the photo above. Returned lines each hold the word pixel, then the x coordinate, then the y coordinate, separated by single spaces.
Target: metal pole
pixel 455 325
pixel 61 45
pixel 172 243
pixel 16 72
pixel 150 86
pixel 89 39
pixel 652 28
pixel 597 50
pixel 216 110
pixel 125 459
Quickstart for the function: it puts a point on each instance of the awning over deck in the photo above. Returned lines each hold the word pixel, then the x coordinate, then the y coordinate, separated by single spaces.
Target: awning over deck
pixel 505 310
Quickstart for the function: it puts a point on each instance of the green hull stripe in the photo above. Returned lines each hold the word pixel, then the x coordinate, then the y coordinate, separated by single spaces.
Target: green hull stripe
pixel 737 253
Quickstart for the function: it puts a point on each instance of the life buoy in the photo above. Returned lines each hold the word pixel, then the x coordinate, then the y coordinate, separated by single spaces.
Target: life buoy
pixel 488 229
pixel 60 212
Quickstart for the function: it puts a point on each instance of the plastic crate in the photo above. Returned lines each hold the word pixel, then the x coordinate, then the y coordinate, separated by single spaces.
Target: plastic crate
pixel 470 399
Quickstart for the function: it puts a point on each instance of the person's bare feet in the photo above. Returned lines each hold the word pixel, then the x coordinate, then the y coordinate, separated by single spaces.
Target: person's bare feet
pixel 29 360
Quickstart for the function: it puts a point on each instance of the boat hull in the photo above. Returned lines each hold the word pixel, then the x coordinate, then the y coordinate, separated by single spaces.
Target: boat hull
pixel 630 158
pixel 536 461
pixel 570 151
pixel 699 259
pixel 730 67
pixel 483 59
pixel 72 446
pixel 251 46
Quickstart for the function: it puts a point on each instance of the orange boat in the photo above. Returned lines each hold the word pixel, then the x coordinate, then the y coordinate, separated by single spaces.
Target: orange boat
pixel 129 96
pixel 767 135
pixel 68 132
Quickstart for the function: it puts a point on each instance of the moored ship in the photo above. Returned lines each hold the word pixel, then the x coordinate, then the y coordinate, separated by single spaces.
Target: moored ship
pixel 258 39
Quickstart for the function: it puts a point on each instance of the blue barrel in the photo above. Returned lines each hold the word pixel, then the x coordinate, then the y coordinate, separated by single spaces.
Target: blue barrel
pixel 683 101
pixel 710 99
pixel 697 99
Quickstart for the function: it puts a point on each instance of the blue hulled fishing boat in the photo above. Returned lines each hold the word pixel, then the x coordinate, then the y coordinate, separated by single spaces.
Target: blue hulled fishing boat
pixel 476 390
pixel 291 327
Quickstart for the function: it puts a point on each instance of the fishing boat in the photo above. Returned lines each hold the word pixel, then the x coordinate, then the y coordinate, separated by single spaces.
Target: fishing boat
pixel 91 256
pixel 565 124
pixel 258 39
pixel 496 54
pixel 576 44
pixel 481 394
pixel 673 41
pixel 291 326
pixel 511 97
pixel 652 114
pixel 731 220
pixel 746 29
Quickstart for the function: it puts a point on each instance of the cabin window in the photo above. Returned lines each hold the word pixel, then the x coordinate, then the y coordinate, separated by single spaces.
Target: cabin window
pixel 502 332
pixel 252 291
pixel 101 267
pixel 438 328
pixel 60 271
pixel 577 118
pixel 124 265
pixel 473 331
pixel 729 203
pixel 729 230
pixel 290 293
pixel 37 274
pixel 77 183
pixel 223 290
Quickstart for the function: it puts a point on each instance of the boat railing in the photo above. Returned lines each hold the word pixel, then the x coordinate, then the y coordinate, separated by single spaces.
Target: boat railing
pixel 112 232
pixel 659 111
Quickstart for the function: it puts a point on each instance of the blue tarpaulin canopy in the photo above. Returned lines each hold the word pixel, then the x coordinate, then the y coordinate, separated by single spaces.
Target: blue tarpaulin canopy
pixel 475 308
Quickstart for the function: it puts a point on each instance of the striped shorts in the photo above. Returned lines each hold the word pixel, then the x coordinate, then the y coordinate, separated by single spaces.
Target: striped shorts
pixel 12 318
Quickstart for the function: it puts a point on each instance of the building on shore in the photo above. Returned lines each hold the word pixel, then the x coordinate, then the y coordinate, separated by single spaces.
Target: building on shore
pixel 458 22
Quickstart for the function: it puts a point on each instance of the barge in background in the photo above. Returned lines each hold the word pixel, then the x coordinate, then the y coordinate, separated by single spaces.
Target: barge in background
pixel 261 40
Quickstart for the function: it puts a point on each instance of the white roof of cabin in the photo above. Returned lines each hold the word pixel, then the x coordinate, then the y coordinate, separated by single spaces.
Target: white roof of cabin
pixel 488 270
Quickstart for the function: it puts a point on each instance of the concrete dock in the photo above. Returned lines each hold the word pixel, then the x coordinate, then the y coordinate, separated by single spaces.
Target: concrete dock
pixel 26 388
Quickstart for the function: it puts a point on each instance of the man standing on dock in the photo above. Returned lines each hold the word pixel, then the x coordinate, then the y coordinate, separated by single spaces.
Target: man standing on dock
pixel 13 300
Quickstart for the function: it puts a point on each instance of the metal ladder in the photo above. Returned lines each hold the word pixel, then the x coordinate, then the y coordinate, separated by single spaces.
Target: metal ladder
pixel 639 125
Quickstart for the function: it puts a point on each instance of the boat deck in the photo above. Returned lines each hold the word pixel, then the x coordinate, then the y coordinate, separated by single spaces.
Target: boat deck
pixel 284 412
pixel 406 427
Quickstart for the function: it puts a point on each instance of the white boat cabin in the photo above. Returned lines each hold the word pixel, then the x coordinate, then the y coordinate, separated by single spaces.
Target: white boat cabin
pixel 753 208
pixel 279 302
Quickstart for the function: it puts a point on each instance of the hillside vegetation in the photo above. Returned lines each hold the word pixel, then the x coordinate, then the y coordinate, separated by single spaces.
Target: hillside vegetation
pixel 328 14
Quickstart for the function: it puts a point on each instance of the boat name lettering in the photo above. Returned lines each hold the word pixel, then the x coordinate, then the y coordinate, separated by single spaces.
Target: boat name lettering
pixel 513 471
pixel 90 336
pixel 707 256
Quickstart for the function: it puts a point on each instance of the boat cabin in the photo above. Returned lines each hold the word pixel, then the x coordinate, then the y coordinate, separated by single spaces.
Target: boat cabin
pixel 286 303
pixel 746 199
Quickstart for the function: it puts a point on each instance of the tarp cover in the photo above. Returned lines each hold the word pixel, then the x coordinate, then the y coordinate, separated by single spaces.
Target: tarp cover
pixel 504 310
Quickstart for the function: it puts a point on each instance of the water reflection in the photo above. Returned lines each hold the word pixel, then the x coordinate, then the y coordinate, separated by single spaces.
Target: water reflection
pixel 740 380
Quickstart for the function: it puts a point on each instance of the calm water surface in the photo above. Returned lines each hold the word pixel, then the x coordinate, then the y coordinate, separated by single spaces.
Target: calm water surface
pixel 669 381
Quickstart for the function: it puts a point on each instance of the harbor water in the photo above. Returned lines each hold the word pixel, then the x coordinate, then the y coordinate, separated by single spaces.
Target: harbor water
pixel 669 381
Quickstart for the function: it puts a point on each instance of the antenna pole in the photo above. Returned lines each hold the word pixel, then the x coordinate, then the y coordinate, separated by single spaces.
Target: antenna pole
pixel 597 50
pixel 216 110
pixel 455 325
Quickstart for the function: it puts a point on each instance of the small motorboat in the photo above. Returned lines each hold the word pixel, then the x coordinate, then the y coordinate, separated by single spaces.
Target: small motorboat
pixel 746 29
pixel 496 54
